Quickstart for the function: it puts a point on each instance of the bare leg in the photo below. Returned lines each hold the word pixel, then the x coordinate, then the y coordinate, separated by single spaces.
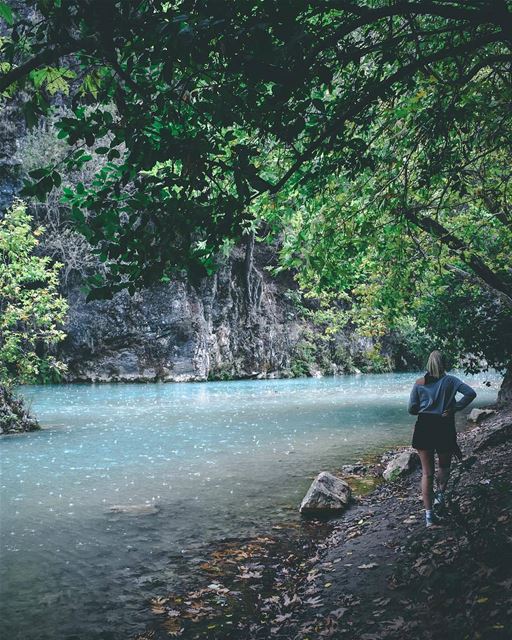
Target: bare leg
pixel 443 472
pixel 427 477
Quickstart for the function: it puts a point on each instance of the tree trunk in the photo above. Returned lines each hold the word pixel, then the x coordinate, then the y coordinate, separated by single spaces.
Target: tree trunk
pixel 14 416
pixel 248 267
pixel 505 392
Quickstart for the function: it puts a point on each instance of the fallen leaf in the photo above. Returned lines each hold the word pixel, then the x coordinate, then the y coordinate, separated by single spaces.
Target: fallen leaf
pixel 250 575
pixel 282 618
pixel 314 602
pixel 173 627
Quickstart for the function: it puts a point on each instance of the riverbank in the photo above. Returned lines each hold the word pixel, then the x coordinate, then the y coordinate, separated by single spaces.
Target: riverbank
pixel 377 572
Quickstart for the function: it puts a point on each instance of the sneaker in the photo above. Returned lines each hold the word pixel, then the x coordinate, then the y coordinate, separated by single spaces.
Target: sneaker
pixel 431 520
pixel 439 499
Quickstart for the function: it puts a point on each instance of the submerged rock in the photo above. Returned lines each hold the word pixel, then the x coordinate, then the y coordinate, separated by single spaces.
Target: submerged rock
pixel 135 509
pixel 477 415
pixel 401 464
pixel 326 495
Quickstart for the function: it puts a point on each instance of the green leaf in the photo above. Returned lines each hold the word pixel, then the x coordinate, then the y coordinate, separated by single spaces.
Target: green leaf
pixel 37 174
pixel 6 13
pixel 57 179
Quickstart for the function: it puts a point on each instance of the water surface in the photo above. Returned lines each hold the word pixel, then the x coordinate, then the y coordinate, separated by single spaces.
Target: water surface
pixel 218 459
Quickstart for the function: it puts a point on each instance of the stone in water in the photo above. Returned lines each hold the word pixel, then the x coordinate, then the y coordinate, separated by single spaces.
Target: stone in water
pixel 477 415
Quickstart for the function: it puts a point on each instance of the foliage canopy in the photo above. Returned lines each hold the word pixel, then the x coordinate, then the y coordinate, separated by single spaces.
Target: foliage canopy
pixel 375 135
pixel 204 92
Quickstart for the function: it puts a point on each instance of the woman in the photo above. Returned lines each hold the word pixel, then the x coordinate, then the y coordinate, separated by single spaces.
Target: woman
pixel 433 401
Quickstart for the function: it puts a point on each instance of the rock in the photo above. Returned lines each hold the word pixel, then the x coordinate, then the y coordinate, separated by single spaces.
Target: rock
pixel 477 415
pixel 14 416
pixel 401 464
pixel 185 331
pixel 326 495
pixel 135 509
pixel 196 331
pixel 356 469
pixel 495 436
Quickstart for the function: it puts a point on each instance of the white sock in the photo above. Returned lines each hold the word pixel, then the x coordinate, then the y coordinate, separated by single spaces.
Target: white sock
pixel 428 513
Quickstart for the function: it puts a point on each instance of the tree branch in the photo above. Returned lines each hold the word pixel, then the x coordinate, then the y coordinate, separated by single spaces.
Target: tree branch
pixel 437 230
pixel 481 15
pixel 376 91
pixel 45 57
pixel 474 279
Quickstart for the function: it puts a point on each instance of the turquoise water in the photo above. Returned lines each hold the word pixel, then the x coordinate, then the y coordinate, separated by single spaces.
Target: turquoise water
pixel 217 460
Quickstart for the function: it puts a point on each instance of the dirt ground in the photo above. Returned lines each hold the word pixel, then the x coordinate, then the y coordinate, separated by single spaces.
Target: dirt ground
pixel 377 572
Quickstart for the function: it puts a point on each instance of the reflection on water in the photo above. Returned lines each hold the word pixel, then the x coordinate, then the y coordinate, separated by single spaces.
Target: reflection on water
pixel 217 459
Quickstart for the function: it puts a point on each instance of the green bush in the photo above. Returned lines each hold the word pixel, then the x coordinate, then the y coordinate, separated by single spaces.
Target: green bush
pixel 32 311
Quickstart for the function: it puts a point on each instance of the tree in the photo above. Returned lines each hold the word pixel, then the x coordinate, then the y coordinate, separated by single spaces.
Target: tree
pixel 31 309
pixel 374 134
pixel 423 227
pixel 203 92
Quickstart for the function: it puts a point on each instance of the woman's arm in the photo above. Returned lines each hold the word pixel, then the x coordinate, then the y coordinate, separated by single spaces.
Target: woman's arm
pixel 414 401
pixel 468 395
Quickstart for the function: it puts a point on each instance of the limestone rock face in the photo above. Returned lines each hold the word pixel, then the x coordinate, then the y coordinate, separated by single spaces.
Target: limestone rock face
pixel 401 464
pixel 181 331
pixel 477 415
pixel 326 495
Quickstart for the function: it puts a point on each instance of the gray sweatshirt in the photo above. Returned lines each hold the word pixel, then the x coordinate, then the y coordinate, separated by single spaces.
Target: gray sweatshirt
pixel 439 395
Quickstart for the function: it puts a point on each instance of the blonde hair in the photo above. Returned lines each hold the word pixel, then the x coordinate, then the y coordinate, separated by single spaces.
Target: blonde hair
pixel 436 364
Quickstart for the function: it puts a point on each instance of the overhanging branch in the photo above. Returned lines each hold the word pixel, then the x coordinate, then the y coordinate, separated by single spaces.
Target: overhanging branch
pixel 465 276
pixel 471 259
pixel 43 58
pixel 379 90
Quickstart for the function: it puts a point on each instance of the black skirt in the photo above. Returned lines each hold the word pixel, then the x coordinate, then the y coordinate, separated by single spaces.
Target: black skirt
pixel 435 433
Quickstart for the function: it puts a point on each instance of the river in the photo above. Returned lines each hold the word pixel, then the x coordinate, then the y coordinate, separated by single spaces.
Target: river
pixel 215 460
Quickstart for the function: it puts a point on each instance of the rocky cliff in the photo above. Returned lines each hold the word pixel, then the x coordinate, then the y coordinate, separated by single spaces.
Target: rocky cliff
pixel 214 330
pixel 180 332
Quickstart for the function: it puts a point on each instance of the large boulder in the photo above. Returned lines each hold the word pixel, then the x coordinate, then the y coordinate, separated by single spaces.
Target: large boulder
pixel 326 495
pixel 499 434
pixel 401 464
pixel 477 415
